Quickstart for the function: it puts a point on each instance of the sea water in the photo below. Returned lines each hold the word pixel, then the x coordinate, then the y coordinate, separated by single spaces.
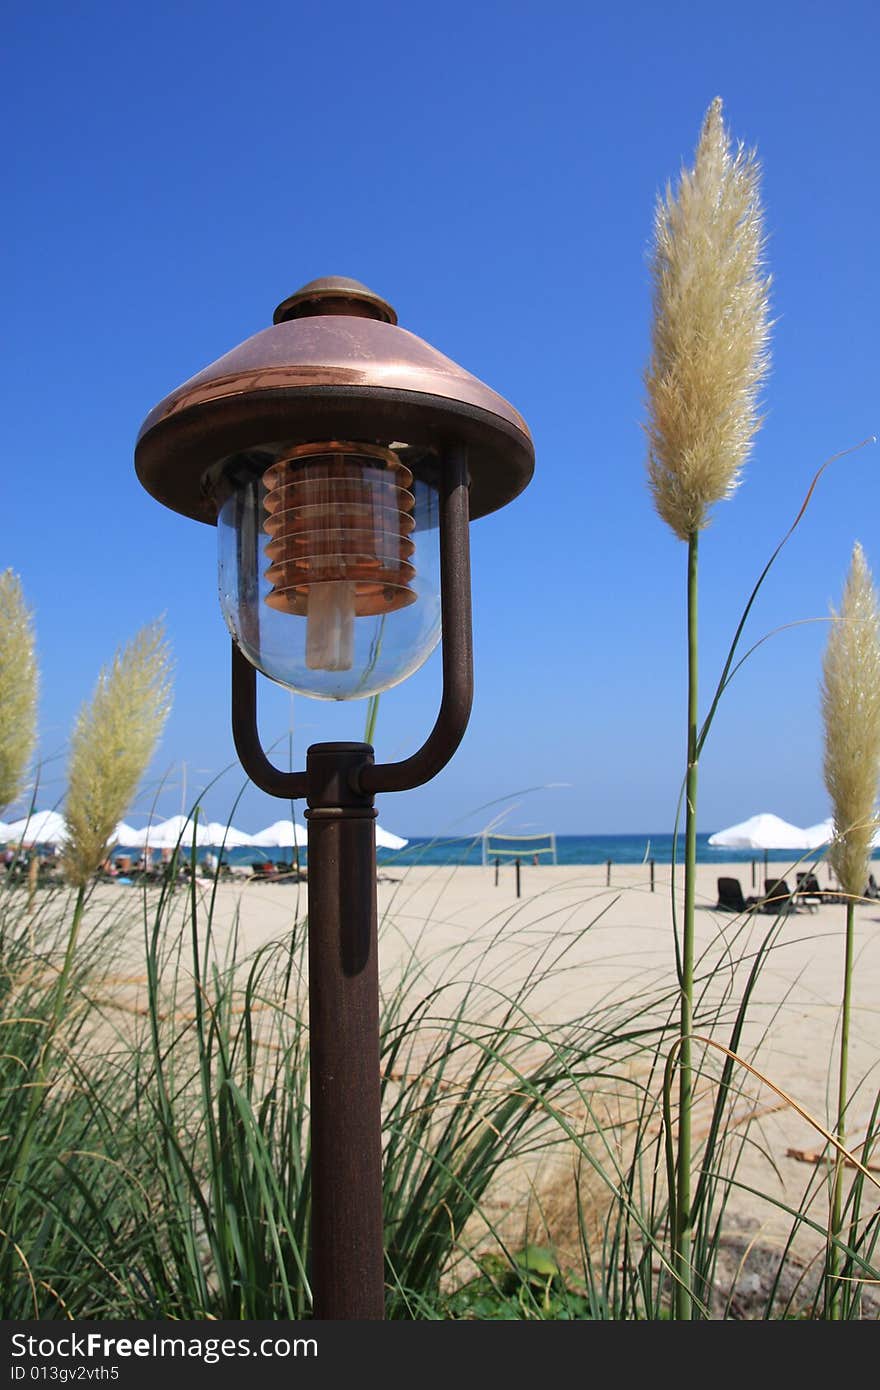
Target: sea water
pixel 570 849
pixel 579 849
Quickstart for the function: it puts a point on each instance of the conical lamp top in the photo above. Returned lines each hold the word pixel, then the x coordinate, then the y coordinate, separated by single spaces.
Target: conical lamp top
pixel 335 364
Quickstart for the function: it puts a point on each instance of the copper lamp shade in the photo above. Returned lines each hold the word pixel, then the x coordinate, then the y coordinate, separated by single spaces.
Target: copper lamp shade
pixel 334 365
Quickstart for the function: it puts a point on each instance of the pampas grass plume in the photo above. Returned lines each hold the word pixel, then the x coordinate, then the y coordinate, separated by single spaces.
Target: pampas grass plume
pixel 851 713
pixel 710 330
pixel 18 688
pixel 112 743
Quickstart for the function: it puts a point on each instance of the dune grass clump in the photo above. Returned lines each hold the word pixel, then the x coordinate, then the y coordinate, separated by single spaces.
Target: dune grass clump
pixel 472 1086
pixel 523 1159
pixel 18 688
pixel 169 1154
pixel 64 1194
pixel 41 1001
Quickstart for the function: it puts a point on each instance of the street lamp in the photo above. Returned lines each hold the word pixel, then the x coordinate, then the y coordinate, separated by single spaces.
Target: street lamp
pixel 341 459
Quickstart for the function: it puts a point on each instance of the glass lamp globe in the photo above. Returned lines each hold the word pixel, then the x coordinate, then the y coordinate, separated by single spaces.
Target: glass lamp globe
pixel 329 571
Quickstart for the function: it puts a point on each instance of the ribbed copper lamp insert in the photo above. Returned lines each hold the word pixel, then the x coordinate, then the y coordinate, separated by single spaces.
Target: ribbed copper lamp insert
pixel 339 518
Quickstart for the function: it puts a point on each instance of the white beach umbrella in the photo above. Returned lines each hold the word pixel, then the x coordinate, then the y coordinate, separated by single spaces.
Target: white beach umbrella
pixel 219 833
pixel 124 834
pixel 40 828
pixel 4 832
pixel 385 840
pixel 134 839
pixel 823 833
pixel 763 831
pixel 819 835
pixel 282 834
pixel 167 834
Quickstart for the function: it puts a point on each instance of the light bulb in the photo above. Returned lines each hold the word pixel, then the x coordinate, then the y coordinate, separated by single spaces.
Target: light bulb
pixel 329 575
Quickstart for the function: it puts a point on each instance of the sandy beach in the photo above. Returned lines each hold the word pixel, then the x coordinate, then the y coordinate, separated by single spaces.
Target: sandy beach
pixel 589 945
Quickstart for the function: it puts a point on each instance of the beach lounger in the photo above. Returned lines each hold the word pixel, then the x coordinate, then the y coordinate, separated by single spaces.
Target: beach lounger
pixel 808 891
pixel 730 897
pixel 778 897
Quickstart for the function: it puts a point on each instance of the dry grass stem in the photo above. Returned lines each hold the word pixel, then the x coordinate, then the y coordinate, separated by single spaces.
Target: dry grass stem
pixel 113 741
pixel 710 330
pixel 18 688
pixel 851 713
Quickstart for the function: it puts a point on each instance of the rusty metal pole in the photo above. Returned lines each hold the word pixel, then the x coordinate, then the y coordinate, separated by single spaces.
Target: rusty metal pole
pixel 347 1224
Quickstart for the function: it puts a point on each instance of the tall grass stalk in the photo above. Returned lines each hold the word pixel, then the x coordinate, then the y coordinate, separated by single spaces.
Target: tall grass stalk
pixel 371 717
pixel 709 355
pixel 851 713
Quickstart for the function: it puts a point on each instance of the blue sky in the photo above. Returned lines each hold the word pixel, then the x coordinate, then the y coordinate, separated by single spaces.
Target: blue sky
pixel 174 170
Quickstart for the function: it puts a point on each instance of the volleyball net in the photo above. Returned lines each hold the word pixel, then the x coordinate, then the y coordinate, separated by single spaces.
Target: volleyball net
pixel 525 847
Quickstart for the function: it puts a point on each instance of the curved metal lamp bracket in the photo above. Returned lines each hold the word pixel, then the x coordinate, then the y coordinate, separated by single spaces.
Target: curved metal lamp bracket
pixel 458 671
